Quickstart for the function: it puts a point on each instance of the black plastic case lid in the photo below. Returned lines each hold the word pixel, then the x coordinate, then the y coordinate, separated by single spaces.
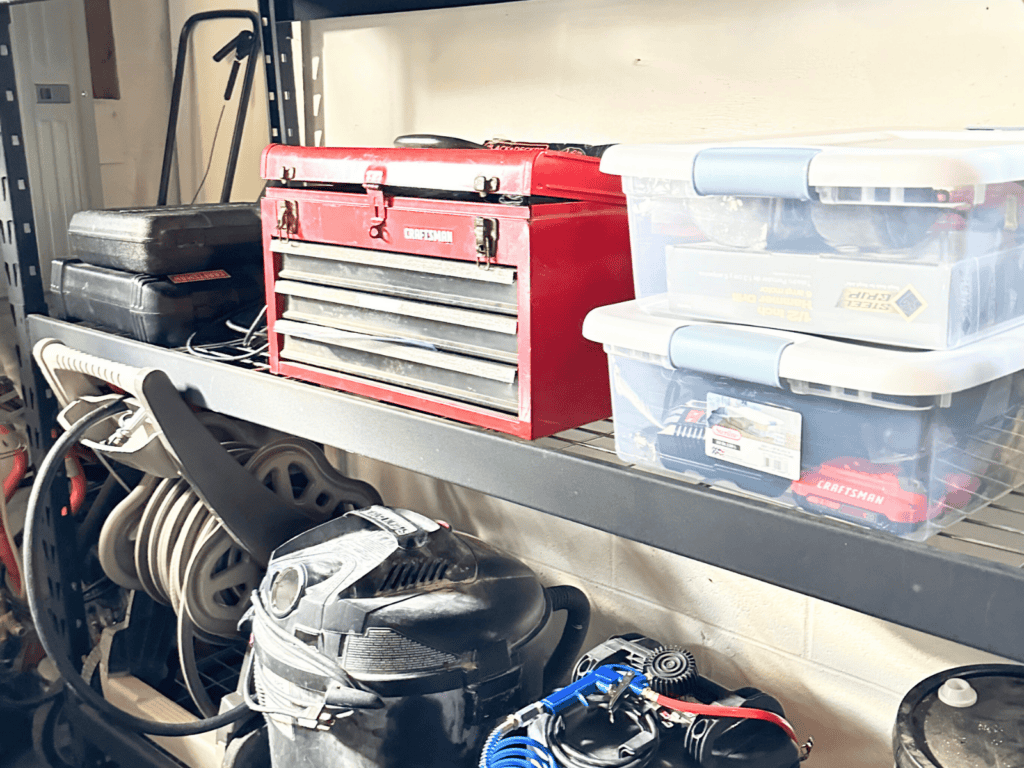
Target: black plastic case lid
pixel 988 733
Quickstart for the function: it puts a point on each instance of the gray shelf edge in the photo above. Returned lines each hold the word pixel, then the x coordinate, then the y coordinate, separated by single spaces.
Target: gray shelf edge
pixel 313 10
pixel 957 597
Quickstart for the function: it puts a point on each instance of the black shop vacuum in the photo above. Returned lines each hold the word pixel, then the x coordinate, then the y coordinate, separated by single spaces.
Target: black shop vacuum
pixel 383 639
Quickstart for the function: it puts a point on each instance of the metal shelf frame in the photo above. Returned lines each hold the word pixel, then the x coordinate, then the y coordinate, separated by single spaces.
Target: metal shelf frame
pixel 941 593
pixel 959 597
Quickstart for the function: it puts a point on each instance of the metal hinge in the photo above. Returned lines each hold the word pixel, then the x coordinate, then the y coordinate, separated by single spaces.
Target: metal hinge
pixel 287 219
pixel 373 180
pixel 484 186
pixel 486 241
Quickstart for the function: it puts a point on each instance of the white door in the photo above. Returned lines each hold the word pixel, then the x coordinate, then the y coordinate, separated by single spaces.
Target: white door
pixel 55 94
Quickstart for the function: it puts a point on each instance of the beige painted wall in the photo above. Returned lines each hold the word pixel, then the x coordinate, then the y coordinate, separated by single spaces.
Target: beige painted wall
pixel 202 99
pixel 661 70
pixel 131 130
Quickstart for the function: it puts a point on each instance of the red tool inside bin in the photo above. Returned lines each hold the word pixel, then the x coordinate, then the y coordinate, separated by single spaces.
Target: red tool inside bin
pixel 453 282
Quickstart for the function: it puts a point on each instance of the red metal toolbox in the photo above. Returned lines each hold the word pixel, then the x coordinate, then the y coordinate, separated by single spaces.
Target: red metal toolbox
pixel 450 281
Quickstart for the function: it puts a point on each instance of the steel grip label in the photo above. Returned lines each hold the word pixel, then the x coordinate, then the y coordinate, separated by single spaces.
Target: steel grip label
pixel 905 302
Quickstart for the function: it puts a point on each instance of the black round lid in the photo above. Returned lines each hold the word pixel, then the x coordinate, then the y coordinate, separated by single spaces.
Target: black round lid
pixel 968 717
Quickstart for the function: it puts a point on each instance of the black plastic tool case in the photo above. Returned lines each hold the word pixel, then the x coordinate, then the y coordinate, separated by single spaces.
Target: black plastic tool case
pixel 167 240
pixel 161 310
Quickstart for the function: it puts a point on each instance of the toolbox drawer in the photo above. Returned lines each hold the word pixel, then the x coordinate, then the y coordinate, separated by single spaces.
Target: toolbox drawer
pixel 444 281
pixel 480 382
pixel 450 328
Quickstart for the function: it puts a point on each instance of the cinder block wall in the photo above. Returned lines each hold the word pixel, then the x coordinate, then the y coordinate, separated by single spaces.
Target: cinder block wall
pixel 839 674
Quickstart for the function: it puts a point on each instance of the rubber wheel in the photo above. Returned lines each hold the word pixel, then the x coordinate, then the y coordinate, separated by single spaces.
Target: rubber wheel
pixel 52 740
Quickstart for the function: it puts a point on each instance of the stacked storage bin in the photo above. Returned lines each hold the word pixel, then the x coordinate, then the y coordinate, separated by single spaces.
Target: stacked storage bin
pixel 828 322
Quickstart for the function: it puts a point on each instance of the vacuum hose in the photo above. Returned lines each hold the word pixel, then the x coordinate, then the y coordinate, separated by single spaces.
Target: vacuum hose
pixel 577 621
pixel 40 491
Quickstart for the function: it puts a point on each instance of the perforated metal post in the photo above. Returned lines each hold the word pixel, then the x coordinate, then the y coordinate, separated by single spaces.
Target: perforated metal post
pixel 276 17
pixel 25 292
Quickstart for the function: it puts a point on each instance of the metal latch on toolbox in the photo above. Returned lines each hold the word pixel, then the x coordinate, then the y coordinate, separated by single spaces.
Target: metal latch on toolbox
pixel 486 240
pixel 486 185
pixel 287 219
pixel 373 181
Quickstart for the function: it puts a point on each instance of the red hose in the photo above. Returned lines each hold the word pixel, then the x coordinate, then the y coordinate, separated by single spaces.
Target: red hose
pixel 714 710
pixel 10 562
pixel 77 478
pixel 17 473
pixel 11 483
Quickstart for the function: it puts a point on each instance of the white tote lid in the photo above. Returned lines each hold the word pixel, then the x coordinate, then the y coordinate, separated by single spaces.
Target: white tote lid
pixel 764 355
pixel 880 159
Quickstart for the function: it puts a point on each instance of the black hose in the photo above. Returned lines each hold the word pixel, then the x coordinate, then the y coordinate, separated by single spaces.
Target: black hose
pixel 577 621
pixel 571 757
pixel 97 513
pixel 41 490
pixel 31 702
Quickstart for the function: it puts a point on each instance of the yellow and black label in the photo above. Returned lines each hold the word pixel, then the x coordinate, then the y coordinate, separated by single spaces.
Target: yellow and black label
pixel 905 302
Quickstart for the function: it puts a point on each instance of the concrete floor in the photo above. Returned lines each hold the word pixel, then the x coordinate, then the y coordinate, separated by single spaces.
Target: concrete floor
pixel 24 759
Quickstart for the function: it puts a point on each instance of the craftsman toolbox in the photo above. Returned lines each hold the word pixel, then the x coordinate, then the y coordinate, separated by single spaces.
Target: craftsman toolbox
pixel 449 281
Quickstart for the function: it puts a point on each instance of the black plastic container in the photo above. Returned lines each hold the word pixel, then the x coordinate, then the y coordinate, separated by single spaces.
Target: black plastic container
pixel 161 310
pixel 968 717
pixel 382 639
pixel 167 240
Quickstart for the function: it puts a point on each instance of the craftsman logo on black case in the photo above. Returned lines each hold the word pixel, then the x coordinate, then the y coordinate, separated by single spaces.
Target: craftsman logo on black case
pixel 198 277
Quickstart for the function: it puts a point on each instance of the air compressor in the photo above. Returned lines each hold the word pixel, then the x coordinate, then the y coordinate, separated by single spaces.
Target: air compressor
pixel 635 703
pixel 383 639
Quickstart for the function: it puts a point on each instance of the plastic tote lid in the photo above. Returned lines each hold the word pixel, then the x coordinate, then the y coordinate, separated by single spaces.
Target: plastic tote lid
pixel 968 717
pixel 767 356
pixel 790 166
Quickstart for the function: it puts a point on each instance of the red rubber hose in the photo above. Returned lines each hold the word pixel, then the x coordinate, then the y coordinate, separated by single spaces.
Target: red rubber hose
pixel 10 562
pixel 714 710
pixel 77 478
pixel 11 483
pixel 17 473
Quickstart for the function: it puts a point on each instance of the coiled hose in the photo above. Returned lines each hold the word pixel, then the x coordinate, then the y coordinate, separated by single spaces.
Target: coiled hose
pixel 40 491
pixel 504 751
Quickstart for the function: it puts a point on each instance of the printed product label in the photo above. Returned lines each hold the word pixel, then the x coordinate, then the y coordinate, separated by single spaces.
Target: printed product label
pixel 350 557
pixel 389 521
pixel 753 435
pixel 901 302
pixel 905 302
pixel 198 277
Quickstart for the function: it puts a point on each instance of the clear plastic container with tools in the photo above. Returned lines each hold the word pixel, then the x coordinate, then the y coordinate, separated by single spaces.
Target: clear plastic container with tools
pixel 904 441
pixel 909 238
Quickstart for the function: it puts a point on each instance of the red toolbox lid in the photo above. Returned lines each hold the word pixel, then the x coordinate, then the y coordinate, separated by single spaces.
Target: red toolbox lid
pixel 495 171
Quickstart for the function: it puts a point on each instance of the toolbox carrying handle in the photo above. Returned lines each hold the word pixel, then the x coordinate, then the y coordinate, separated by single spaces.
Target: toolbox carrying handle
pixel 433 141
pixel 243 104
